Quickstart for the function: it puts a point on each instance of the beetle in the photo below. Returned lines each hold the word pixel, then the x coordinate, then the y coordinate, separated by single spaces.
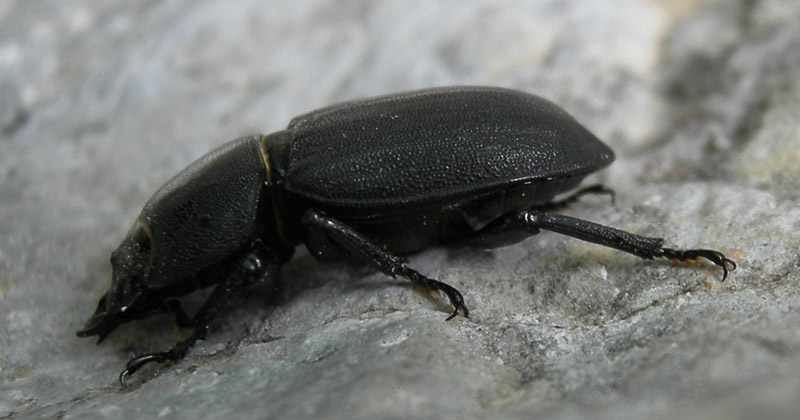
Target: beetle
pixel 373 179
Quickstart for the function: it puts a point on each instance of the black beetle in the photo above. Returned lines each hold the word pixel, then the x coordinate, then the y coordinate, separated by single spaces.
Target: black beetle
pixel 372 178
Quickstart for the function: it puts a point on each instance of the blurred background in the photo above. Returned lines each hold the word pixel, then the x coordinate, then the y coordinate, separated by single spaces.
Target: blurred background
pixel 101 102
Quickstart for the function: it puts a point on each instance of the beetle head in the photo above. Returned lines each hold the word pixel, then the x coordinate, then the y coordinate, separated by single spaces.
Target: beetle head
pixel 128 298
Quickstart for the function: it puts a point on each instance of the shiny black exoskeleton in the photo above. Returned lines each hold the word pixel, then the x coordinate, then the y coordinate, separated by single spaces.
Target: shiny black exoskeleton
pixel 372 179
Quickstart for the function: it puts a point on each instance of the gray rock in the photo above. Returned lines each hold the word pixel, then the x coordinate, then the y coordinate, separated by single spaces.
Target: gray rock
pixel 100 103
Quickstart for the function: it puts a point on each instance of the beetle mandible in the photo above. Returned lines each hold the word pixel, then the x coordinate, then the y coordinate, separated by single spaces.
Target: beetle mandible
pixel 373 179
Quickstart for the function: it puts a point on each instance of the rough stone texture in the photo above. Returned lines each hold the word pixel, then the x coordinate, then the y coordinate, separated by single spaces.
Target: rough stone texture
pixel 101 102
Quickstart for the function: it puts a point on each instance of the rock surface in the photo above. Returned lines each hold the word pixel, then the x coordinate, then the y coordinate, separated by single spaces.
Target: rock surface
pixel 101 102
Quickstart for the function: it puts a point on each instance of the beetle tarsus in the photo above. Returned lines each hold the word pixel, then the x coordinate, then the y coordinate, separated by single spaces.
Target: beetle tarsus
pixel 137 362
pixel 425 283
pixel 172 355
pixel 715 257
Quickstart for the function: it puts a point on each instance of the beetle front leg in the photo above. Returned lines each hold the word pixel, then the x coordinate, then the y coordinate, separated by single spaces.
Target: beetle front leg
pixel 258 262
pixel 328 238
pixel 645 247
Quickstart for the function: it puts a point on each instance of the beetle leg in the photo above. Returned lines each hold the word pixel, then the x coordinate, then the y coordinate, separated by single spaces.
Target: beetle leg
pixel 259 261
pixel 343 236
pixel 174 306
pixel 645 247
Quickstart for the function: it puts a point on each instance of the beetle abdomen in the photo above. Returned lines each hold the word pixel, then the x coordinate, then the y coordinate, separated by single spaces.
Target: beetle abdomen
pixel 434 145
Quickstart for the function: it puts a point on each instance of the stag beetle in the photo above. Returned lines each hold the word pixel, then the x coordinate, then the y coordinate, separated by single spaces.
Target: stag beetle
pixel 373 179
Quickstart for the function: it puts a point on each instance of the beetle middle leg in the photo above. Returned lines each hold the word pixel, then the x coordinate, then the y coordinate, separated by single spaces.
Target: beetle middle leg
pixel 329 239
pixel 534 220
pixel 258 262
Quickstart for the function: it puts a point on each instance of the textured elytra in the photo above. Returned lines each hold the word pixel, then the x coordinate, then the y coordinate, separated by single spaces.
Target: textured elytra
pixel 435 144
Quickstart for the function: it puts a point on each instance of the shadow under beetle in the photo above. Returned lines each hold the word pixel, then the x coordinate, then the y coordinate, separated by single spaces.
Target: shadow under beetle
pixel 373 179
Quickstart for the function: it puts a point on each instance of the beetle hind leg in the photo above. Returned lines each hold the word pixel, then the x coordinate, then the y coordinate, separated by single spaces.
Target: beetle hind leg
pixel 329 237
pixel 258 262
pixel 533 220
